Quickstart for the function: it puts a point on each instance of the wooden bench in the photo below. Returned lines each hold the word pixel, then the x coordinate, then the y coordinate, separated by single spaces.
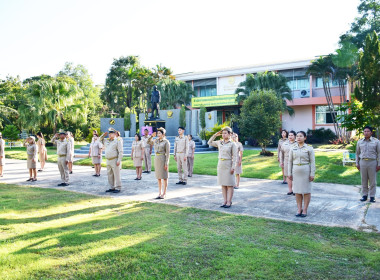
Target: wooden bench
pixel 348 157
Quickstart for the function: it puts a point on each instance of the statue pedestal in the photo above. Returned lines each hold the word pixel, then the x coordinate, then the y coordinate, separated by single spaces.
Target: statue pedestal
pixel 155 123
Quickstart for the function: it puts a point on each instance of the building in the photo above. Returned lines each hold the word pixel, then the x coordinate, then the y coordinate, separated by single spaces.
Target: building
pixel 215 90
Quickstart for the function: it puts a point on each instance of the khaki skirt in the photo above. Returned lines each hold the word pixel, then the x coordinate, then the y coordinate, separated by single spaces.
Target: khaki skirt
pixel 225 178
pixel 96 160
pixel 301 182
pixel 159 164
pixel 239 169
pixel 42 155
pixel 137 162
pixel 30 163
pixel 286 171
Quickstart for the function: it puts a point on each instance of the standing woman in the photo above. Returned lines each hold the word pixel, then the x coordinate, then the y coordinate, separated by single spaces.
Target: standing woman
pixel 226 164
pixel 70 138
pixel 42 152
pixel 95 153
pixel 190 156
pixel 302 172
pixel 239 158
pixel 31 151
pixel 284 138
pixel 161 160
pixel 138 155
pixel 284 157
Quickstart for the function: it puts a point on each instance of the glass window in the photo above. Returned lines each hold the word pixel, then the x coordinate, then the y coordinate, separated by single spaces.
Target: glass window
pixel 303 83
pixel 219 117
pixel 323 115
pixel 204 91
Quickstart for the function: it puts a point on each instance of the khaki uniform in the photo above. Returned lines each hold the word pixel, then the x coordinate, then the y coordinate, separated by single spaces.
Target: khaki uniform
pixel 227 161
pixel 162 151
pixel 72 145
pixel 368 158
pixel 138 148
pixel 41 148
pixel 284 155
pixel 113 154
pixel 301 165
pixel 239 168
pixel 96 149
pixel 31 151
pixel 147 154
pixel 64 154
pixel 181 150
pixel 190 158
pixel 280 142
pixel 2 152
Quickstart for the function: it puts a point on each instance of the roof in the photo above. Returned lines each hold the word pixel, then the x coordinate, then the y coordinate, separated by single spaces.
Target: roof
pixel 233 71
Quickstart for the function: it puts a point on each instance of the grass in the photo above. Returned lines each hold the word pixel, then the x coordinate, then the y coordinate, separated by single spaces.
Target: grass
pixel 53 234
pixel 329 165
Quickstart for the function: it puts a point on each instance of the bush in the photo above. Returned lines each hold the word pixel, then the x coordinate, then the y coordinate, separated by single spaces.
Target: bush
pixel 320 135
pixel 89 136
pixel 11 132
pixel 217 127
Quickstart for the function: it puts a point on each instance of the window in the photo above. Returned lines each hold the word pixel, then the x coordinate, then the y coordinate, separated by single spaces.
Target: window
pixel 323 115
pixel 319 83
pixel 206 87
pixel 299 83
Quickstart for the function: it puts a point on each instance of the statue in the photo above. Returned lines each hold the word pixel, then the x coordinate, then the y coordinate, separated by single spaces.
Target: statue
pixel 155 100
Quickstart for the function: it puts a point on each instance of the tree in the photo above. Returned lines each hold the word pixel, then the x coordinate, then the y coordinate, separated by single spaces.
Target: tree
pixel 11 132
pixel 266 81
pixel 367 23
pixel 368 88
pixel 10 98
pixel 174 93
pixel 202 122
pixel 53 103
pixel 182 117
pixel 260 117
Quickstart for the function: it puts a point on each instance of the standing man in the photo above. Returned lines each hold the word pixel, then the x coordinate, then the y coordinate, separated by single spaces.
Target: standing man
pixel 114 154
pixel 368 163
pixel 64 156
pixel 181 150
pixel 2 154
pixel 147 152
pixel 70 138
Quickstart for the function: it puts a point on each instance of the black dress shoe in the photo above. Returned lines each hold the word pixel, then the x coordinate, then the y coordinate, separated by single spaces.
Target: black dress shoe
pixel 227 206
pixel 116 191
pixel 372 199
pixel 65 184
pixel 136 178
pixel 289 193
pixel 179 183
pixel 30 179
pixel 60 185
pixel 222 206
pixel 70 172
pixel 184 183
pixel 158 197
pixel 303 215
pixel 145 171
pixel 364 198
pixel 189 176
pixel 95 175
pixel 110 190
pixel 299 214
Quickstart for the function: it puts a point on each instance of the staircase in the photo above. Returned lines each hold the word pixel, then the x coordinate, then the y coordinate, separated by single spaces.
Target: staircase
pixel 127 146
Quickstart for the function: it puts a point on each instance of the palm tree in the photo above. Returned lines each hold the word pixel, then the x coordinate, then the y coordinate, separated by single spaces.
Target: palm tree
pixel 266 81
pixel 174 93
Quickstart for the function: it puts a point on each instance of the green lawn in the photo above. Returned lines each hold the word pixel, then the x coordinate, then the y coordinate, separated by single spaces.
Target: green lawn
pixel 53 234
pixel 329 166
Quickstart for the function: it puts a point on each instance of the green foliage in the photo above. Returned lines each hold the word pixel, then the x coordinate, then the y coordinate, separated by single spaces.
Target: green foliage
pixel 320 135
pixel 10 98
pixel 260 116
pixel 89 136
pixel 78 134
pixel 368 89
pixel 216 128
pixel 203 134
pixel 127 121
pixel 367 23
pixel 352 148
pixel 174 93
pixel 266 81
pixel 11 132
pixel 358 118
pixel 182 116
pixel 202 117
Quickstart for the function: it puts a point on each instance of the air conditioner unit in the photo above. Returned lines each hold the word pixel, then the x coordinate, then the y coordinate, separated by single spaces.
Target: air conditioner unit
pixel 305 93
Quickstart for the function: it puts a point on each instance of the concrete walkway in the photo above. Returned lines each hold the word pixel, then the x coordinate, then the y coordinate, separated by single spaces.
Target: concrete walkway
pixel 331 204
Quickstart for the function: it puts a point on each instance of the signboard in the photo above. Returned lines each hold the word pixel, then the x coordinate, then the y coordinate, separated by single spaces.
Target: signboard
pixel 214 101
pixel 228 85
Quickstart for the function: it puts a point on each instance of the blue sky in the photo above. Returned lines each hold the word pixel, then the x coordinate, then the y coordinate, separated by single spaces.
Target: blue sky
pixel 39 36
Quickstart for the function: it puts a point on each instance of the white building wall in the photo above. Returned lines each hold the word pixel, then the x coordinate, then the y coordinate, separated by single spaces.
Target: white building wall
pixel 301 120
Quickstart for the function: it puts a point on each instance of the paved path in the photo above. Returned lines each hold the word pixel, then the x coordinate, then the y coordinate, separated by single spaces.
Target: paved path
pixel 331 204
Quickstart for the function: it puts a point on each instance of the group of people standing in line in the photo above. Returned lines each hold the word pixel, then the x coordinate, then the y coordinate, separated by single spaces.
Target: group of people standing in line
pixel 296 158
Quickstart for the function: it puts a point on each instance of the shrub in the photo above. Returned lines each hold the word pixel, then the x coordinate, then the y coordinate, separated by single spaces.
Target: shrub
pixel 320 135
pixel 11 132
pixel 217 127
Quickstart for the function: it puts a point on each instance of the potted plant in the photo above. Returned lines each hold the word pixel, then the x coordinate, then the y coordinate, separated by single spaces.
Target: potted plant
pixel 202 119
pixel 127 124
pixel 203 136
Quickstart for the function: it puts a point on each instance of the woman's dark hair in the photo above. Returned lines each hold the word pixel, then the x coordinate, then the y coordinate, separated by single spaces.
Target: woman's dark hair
pixel 302 132
pixel 138 136
pixel 368 127
pixel 287 134
pixel 292 132
pixel 191 136
pixel 40 134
